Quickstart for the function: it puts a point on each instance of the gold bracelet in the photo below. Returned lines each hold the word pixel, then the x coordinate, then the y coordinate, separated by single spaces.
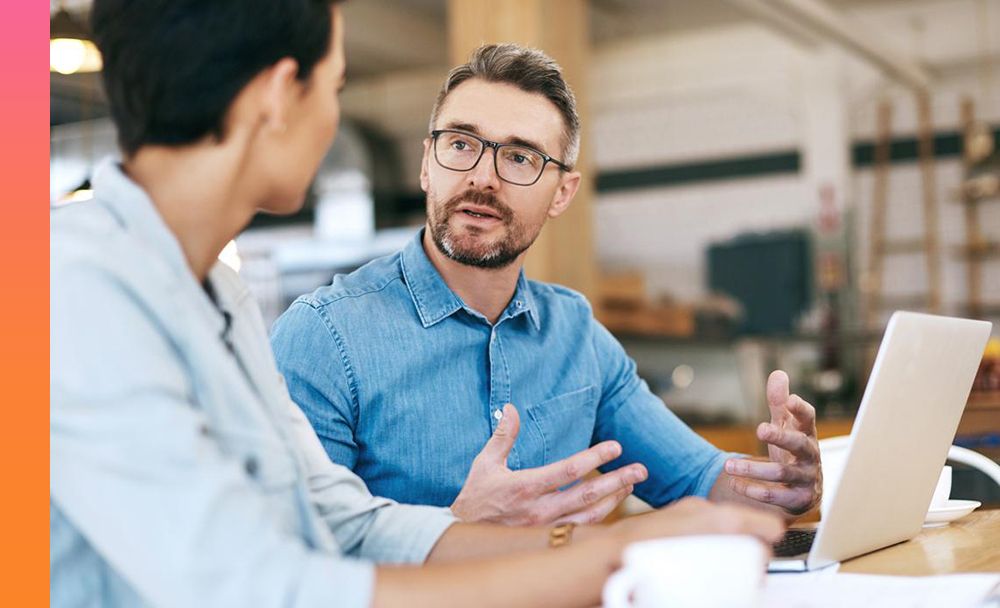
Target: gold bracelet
pixel 561 535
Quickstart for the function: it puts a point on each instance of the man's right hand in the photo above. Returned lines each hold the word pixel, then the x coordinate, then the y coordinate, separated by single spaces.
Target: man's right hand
pixel 531 497
pixel 693 515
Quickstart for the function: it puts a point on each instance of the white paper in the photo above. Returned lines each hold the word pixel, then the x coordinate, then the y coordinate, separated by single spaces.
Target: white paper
pixel 821 590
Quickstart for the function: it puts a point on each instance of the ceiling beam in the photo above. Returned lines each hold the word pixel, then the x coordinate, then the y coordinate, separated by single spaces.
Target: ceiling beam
pixel 820 20
pixel 780 21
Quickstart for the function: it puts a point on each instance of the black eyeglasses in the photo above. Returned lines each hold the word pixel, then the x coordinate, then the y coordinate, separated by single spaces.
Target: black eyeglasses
pixel 514 163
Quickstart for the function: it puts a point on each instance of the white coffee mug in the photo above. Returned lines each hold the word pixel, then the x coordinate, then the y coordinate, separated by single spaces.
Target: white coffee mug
pixel 712 571
pixel 942 492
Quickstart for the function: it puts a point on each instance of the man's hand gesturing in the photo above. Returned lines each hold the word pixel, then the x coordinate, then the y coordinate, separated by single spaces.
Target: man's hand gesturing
pixel 494 493
pixel 792 476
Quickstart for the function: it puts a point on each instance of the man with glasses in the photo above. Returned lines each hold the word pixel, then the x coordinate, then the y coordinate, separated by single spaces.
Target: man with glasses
pixel 412 364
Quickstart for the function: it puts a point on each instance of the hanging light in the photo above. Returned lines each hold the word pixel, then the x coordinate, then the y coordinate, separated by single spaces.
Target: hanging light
pixel 70 49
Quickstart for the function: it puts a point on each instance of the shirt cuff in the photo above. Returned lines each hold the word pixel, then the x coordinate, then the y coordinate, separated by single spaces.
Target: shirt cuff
pixel 712 472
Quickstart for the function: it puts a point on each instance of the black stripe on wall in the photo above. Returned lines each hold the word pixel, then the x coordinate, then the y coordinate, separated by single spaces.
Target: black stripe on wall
pixel 902 150
pixel 678 174
pixel 946 145
pixel 905 149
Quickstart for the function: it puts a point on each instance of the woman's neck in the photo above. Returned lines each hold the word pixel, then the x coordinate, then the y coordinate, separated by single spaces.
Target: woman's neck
pixel 198 194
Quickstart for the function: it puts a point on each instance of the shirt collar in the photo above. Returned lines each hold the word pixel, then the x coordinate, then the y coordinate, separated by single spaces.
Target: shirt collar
pixel 136 212
pixel 524 302
pixel 133 208
pixel 435 301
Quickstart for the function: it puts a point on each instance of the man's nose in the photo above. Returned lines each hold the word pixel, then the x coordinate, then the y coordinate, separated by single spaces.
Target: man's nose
pixel 484 175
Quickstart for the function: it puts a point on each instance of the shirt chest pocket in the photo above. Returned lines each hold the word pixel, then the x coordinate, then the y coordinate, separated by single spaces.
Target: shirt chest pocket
pixel 565 423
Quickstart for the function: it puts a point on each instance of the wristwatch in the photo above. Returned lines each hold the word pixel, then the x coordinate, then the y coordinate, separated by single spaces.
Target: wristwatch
pixel 561 535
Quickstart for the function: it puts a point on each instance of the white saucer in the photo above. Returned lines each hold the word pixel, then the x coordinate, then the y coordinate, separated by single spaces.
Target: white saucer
pixel 950 511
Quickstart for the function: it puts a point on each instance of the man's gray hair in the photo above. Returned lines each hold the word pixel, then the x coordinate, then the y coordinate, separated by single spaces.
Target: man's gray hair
pixel 531 71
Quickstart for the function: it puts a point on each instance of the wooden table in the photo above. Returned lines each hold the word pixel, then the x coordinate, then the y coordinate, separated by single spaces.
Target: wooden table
pixel 970 544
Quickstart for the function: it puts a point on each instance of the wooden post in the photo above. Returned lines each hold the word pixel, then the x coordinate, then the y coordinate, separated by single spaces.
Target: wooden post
pixel 973 236
pixel 564 251
pixel 932 251
pixel 876 259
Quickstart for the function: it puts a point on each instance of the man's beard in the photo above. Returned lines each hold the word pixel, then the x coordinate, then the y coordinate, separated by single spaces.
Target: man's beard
pixel 465 248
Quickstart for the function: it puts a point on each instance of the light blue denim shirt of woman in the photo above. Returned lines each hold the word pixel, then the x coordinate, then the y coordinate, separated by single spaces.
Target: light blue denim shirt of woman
pixel 181 472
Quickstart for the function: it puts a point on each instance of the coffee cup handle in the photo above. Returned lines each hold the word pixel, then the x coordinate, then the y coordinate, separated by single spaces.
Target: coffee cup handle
pixel 618 588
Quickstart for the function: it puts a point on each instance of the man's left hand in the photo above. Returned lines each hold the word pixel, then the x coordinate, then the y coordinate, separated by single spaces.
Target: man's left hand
pixel 792 476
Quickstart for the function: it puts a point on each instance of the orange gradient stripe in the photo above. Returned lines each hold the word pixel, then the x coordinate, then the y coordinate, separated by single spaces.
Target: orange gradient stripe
pixel 24 303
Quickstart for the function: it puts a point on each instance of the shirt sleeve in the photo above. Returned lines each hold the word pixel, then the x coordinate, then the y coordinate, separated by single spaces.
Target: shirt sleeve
pixel 366 526
pixel 135 468
pixel 319 378
pixel 680 462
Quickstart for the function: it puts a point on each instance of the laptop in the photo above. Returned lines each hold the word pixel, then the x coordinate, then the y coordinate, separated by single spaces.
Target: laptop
pixel 906 422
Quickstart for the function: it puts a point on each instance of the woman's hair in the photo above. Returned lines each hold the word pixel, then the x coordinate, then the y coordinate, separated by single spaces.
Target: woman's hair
pixel 173 67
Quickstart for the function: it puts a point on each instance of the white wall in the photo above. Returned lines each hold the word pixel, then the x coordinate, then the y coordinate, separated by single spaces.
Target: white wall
pixel 705 95
pixel 742 90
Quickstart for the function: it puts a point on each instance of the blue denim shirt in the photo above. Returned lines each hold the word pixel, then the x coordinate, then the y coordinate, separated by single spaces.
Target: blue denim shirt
pixel 181 474
pixel 404 383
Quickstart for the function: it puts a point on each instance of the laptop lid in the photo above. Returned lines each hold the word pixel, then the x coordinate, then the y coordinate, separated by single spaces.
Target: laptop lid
pixel 906 422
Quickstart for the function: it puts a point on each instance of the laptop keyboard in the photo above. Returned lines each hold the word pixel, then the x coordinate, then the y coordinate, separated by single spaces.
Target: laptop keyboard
pixel 794 542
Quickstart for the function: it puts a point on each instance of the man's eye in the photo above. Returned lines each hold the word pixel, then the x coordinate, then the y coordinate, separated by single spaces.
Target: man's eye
pixel 459 145
pixel 521 158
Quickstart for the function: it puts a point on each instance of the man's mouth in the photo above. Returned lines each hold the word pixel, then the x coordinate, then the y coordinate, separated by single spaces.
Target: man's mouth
pixel 479 213
pixel 474 214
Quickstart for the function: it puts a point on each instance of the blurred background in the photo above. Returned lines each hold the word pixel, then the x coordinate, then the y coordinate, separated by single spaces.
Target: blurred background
pixel 765 180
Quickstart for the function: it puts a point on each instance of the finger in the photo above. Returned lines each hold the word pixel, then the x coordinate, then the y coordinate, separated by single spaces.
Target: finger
pixel 804 414
pixel 568 470
pixel 597 512
pixel 769 471
pixel 592 491
pixel 794 442
pixel 777 396
pixel 793 499
pixel 499 444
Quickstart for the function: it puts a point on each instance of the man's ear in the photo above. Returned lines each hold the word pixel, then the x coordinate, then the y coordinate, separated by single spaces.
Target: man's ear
pixel 424 177
pixel 564 195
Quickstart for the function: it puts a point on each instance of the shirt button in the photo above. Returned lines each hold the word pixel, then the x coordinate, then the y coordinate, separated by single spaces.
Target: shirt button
pixel 497 414
pixel 518 303
pixel 250 466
